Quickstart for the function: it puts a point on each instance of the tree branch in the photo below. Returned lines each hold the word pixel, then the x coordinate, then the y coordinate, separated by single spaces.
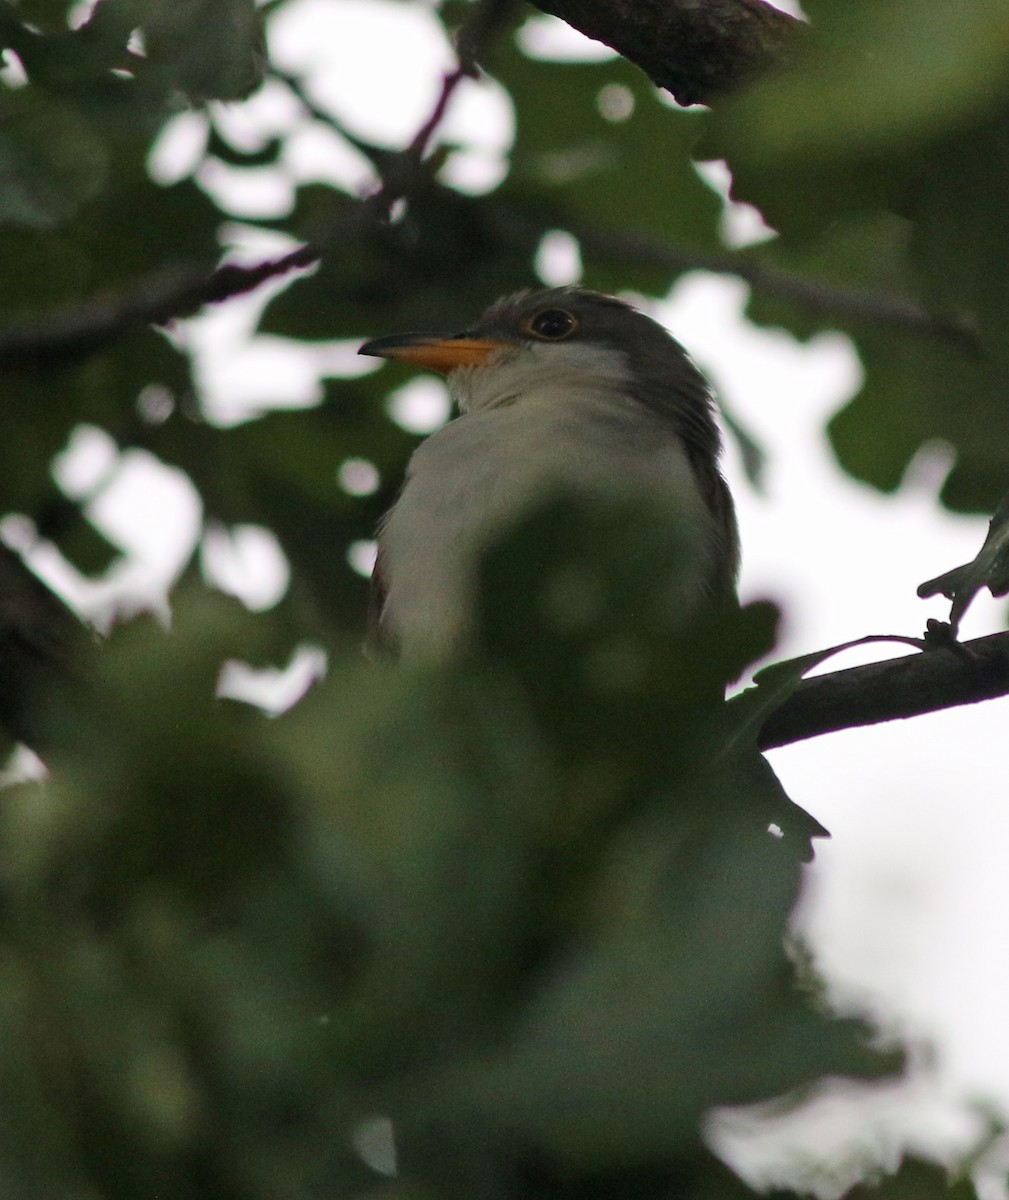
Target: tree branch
pixel 817 296
pixel 698 50
pixel 933 680
pixel 75 330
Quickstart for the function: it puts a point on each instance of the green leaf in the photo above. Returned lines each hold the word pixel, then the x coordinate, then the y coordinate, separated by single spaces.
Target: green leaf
pixel 131 227
pixel 437 267
pixel 571 168
pixel 866 253
pixel 38 270
pixel 876 81
pixel 44 14
pixel 584 165
pixel 676 997
pixel 51 162
pixel 882 73
pixel 920 389
pixel 281 471
pixel 208 49
pixel 103 391
pixel 41 639
pixel 422 801
pixel 956 202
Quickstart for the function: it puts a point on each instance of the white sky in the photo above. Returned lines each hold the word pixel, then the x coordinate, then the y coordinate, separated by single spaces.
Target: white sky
pixel 908 903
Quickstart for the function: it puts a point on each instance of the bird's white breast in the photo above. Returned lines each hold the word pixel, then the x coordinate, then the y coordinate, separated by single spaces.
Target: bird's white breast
pixel 476 477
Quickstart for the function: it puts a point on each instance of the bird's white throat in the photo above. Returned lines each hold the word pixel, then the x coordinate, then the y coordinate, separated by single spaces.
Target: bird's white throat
pixel 550 369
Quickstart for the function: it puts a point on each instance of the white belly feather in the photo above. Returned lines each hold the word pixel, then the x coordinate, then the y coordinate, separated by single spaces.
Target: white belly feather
pixel 476 477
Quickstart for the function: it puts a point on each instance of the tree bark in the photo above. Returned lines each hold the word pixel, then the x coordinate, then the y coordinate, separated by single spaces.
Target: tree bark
pixel 698 50
pixel 929 681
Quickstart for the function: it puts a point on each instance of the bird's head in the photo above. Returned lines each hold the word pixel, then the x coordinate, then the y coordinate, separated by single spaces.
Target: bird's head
pixel 568 337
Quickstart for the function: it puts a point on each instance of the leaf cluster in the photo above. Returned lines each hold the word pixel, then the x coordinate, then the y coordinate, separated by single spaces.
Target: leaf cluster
pixel 230 944
pixel 880 156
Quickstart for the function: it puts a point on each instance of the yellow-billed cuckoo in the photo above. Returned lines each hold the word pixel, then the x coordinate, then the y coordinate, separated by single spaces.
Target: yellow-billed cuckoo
pixel 557 389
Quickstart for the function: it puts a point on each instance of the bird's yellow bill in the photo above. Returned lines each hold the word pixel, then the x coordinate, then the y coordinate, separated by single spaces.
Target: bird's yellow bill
pixel 433 353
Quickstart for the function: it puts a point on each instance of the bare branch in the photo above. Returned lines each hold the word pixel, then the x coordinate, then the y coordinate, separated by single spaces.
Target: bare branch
pixel 697 51
pixel 936 679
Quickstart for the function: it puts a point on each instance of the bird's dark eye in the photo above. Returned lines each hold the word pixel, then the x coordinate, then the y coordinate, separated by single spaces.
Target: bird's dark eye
pixel 552 324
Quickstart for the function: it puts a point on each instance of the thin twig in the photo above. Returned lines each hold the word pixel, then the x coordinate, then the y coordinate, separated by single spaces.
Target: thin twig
pixel 404 171
pixel 75 330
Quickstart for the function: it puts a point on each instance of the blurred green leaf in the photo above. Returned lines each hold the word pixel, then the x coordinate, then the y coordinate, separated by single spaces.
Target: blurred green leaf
pixel 676 998
pixel 40 639
pixel 954 200
pixel 588 602
pixel 442 263
pixel 596 148
pixel 209 49
pixel 622 1043
pixel 131 228
pixel 38 271
pixel 43 407
pixel 281 471
pixel 894 119
pixel 868 252
pixel 879 73
pixel 51 162
pixel 424 799
pixel 44 14
pixel 876 81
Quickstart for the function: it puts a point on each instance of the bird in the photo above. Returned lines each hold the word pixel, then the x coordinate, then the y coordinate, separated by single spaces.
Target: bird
pixel 557 389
